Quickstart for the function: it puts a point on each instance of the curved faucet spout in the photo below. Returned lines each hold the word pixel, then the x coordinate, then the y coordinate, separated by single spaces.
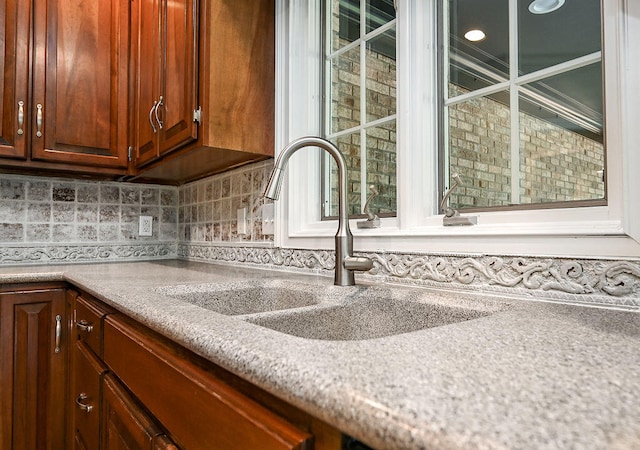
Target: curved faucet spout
pixel 344 239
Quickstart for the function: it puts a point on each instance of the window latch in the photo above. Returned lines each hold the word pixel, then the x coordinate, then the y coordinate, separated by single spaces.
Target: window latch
pixel 451 216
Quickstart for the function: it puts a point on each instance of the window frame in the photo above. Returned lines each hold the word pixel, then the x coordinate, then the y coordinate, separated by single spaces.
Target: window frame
pixel 595 231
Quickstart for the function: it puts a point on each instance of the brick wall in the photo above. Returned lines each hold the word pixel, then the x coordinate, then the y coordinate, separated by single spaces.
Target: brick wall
pixel 555 164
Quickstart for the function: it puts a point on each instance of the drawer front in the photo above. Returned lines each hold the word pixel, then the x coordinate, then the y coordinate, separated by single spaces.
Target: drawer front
pixel 87 372
pixel 88 323
pixel 199 411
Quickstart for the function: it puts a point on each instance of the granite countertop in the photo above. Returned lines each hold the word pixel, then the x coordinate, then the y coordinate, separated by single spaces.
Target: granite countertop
pixel 531 375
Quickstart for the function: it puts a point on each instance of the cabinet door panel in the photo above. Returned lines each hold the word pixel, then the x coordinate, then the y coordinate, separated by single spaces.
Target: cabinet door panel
pixel 81 81
pixel 146 45
pixel 179 83
pixel 126 426
pixel 33 370
pixel 86 376
pixel 14 75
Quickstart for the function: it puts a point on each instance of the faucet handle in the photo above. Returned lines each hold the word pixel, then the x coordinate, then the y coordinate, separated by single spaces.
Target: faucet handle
pixel 361 263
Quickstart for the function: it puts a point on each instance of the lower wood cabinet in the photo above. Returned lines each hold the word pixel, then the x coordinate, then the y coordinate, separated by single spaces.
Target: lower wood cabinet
pixel 75 374
pixel 33 367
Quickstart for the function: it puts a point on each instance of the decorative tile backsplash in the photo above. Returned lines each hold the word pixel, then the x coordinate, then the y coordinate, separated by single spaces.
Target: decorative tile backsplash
pixel 57 219
pixel 208 208
pixel 46 220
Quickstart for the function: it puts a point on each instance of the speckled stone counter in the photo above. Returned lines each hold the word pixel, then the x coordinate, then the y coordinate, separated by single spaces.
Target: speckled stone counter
pixel 535 375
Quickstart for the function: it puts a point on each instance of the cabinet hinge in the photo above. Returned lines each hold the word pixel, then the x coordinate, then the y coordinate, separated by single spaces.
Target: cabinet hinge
pixel 130 153
pixel 197 115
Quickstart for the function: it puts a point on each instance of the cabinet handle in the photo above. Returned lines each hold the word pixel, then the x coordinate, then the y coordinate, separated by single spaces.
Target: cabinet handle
pixel 85 326
pixel 58 333
pixel 39 120
pixel 81 405
pixel 154 106
pixel 20 117
pixel 157 108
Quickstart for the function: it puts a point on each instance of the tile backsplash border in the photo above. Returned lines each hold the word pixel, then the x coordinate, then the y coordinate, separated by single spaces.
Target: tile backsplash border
pixel 585 281
pixel 86 253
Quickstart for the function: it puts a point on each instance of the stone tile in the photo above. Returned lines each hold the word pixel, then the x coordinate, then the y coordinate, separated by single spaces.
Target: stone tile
pixel 38 232
pixel 169 197
pixel 149 196
pixel 38 212
pixel 168 215
pixel 12 211
pixel 62 233
pixel 87 233
pixel 63 212
pixel 109 213
pixel 129 214
pixel 38 190
pixel 64 192
pixel 108 232
pixel 109 194
pixel 88 193
pixel 225 187
pixel 12 189
pixel 88 213
pixel 11 232
pixel 129 195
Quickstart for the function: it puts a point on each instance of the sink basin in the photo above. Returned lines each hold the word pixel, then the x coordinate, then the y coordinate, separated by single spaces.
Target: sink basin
pixel 244 297
pixel 366 319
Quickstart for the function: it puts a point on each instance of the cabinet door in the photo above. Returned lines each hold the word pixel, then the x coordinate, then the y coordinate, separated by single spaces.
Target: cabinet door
pixel 14 75
pixel 33 370
pixel 126 425
pixel 167 84
pixel 86 375
pixel 179 74
pixel 146 60
pixel 80 82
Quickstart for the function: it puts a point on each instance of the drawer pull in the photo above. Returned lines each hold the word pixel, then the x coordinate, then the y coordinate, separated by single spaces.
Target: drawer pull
pixel 83 406
pixel 85 326
pixel 20 117
pixel 58 333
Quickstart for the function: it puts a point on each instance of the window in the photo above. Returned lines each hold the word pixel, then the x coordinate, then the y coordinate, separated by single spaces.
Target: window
pixel 523 110
pixel 604 224
pixel 360 102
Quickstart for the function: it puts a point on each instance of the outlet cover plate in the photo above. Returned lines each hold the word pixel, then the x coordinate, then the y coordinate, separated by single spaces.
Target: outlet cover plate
pixel 145 226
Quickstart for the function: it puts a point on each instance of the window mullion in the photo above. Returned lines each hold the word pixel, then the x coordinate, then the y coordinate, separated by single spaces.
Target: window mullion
pixel 513 101
pixel 363 102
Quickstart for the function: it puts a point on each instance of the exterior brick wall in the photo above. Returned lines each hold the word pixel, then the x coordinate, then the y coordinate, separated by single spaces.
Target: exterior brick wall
pixel 555 164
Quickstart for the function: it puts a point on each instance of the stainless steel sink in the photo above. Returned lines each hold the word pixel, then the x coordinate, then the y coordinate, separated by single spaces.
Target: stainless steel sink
pixel 244 297
pixel 367 318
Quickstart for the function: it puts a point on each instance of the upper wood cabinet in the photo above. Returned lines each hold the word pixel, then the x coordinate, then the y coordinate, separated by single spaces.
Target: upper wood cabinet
pixel 65 84
pixel 234 92
pixel 33 371
pixel 79 105
pixel 14 77
pixel 165 43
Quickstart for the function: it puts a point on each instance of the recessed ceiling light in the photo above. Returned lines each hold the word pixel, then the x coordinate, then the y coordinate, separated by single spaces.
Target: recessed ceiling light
pixel 474 35
pixel 545 6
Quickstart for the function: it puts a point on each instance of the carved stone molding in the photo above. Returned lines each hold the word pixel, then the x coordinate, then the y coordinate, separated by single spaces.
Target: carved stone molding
pixel 593 281
pixel 85 253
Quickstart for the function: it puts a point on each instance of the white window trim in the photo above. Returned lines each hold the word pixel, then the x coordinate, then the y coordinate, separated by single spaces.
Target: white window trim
pixel 603 231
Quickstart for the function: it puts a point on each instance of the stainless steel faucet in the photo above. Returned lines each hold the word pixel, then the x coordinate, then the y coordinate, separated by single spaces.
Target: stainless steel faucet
pixel 346 263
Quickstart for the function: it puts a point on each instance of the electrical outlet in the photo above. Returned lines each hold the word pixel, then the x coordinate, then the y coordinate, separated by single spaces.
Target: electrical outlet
pixel 145 226
pixel 268 226
pixel 242 220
